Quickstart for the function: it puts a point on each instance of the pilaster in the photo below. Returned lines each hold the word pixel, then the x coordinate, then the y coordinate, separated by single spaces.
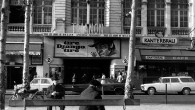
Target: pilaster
pixel 144 18
pixel 168 18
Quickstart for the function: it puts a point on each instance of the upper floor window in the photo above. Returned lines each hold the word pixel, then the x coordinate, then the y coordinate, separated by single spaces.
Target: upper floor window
pixel 156 13
pixel 127 8
pixel 79 11
pixel 42 11
pixel 17 11
pixel 97 12
pixel 179 13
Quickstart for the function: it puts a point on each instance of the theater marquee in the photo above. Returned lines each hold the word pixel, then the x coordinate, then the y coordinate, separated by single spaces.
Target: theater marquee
pixel 107 48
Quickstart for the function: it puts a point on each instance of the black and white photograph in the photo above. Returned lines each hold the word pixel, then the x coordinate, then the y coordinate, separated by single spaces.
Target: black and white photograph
pixel 97 55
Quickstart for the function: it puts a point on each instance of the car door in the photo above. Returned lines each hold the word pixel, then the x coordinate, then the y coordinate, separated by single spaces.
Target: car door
pixel 175 85
pixel 44 84
pixel 165 81
pixel 35 83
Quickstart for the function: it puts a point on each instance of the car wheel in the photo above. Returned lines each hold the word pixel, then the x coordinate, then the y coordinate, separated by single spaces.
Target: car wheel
pixel 151 91
pixel 186 91
pixel 119 91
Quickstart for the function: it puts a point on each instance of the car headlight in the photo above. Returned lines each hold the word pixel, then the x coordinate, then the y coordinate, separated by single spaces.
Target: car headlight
pixel 142 87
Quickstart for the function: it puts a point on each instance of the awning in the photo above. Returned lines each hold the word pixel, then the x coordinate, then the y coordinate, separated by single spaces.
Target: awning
pixel 176 55
pixel 17 49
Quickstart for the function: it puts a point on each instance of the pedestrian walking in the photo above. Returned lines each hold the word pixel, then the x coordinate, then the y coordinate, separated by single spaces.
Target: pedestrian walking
pixel 84 79
pixel 103 78
pixel 55 91
pixel 93 91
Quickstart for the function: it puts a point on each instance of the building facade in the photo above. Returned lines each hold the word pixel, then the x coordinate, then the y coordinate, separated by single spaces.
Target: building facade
pixel 92 37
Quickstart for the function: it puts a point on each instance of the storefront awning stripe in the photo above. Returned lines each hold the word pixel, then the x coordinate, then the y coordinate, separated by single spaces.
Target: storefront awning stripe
pixel 17 49
pixel 20 47
pixel 22 52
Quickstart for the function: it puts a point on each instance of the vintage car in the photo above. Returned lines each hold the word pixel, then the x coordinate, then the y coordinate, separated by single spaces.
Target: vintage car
pixel 179 84
pixel 38 83
pixel 111 86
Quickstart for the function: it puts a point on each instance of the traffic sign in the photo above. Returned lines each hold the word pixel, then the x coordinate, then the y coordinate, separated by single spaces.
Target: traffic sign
pixel 49 60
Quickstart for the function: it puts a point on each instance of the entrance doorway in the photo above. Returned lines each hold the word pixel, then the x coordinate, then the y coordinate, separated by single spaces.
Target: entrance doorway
pixel 14 73
pixel 90 67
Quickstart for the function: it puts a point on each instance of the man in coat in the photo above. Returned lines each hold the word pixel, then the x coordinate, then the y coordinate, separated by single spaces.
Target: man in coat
pixel 55 91
pixel 92 92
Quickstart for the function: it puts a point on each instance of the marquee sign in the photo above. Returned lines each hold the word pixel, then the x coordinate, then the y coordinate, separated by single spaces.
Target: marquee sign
pixel 155 40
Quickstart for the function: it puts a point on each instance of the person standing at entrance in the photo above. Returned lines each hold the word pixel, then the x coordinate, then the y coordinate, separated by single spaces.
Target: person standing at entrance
pixel 55 91
pixel 74 79
pixel 93 91
pixel 120 78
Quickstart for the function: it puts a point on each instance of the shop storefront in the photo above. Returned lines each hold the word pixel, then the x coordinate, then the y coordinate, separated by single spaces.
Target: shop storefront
pixel 156 63
pixel 14 59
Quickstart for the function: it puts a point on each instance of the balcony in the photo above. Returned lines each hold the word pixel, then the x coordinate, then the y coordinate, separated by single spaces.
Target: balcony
pixel 153 30
pixel 35 29
pixel 177 32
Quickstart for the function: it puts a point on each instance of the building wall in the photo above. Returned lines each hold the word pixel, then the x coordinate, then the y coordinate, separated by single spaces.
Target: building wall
pixel 115 14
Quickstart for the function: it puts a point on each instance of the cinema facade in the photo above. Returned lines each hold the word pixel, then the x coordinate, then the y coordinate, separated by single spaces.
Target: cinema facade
pixel 155 57
pixel 61 35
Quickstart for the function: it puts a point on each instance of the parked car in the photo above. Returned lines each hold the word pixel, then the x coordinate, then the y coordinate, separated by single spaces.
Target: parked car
pixel 111 86
pixel 38 83
pixel 178 84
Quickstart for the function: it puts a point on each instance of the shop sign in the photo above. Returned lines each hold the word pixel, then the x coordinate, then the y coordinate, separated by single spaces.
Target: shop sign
pixel 180 58
pixel 155 57
pixel 86 35
pixel 87 48
pixel 155 40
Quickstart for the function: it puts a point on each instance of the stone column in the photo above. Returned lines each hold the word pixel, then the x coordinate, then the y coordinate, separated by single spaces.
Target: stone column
pixel 168 18
pixel 107 13
pixel 144 18
pixel 192 18
pixel 88 12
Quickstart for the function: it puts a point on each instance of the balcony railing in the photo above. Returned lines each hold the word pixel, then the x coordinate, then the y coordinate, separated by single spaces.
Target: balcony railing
pixel 138 30
pixel 180 31
pixel 19 28
pixel 88 29
pixel 153 30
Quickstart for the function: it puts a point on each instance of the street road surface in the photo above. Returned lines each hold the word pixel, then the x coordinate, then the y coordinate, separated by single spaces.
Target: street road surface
pixel 155 102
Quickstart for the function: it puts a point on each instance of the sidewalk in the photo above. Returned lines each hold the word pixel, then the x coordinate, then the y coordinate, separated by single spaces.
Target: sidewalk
pixel 141 107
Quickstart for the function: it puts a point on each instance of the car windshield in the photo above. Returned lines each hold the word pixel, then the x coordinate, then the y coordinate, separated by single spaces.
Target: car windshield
pixel 35 81
pixel 44 81
pixel 186 79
